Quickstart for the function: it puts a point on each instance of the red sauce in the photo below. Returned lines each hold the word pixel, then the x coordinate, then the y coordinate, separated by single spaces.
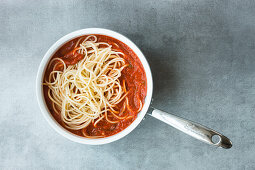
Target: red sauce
pixel 135 79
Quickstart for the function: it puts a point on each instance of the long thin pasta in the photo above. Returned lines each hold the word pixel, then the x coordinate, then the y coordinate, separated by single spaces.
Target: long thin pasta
pixel 88 90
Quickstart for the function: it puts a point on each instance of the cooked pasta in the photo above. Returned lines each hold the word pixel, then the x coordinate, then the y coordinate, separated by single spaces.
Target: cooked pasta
pixel 86 89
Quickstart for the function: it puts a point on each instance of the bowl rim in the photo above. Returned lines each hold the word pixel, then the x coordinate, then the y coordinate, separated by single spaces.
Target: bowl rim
pixel 39 87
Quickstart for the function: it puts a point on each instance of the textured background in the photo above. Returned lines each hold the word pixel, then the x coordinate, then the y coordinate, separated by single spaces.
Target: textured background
pixel 202 57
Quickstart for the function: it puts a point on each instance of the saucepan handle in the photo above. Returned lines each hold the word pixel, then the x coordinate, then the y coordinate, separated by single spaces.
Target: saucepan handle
pixel 193 129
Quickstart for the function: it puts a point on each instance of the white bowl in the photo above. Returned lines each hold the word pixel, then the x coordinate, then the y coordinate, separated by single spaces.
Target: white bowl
pixel 39 87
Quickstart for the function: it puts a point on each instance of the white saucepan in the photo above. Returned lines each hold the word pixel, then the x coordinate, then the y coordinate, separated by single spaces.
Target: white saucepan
pixel 193 129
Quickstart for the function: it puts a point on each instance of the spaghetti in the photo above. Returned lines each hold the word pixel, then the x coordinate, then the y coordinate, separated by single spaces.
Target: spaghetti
pixel 86 86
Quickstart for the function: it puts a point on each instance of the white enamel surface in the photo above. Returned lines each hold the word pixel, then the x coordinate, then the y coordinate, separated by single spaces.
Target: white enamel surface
pixel 39 89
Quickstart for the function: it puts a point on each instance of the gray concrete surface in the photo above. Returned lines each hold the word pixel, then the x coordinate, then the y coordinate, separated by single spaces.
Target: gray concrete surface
pixel 202 57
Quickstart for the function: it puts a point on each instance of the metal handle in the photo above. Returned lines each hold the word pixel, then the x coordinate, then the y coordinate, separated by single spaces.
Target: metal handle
pixel 193 129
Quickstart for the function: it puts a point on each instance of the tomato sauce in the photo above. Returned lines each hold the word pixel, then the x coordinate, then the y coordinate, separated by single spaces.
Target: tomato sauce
pixel 133 75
